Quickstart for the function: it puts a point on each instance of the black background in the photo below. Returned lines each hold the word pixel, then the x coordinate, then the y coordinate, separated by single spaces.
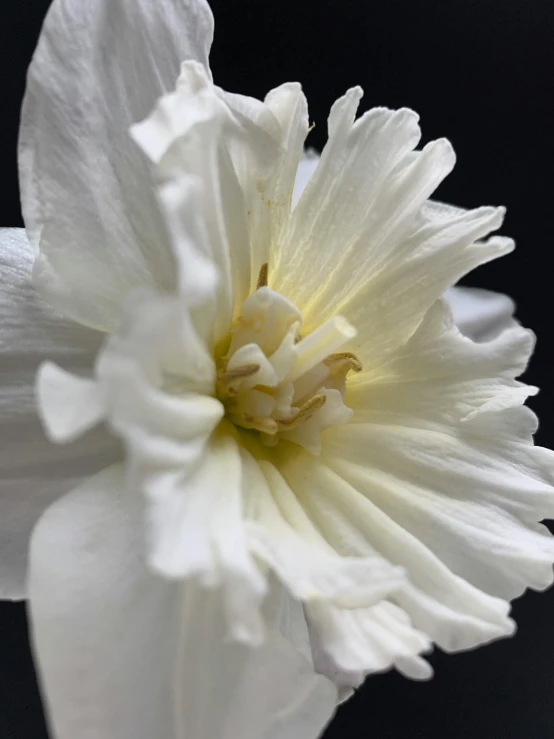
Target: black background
pixel 480 72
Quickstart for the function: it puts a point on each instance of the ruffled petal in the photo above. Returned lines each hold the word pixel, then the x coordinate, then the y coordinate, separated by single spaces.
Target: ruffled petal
pixel 241 155
pixel 437 603
pixel 480 314
pixel 437 472
pixel 281 535
pixel 87 191
pixel 34 472
pixel 128 655
pixel 365 242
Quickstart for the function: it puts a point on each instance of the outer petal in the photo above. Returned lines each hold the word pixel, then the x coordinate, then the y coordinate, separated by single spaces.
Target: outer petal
pixel 87 192
pixel 480 314
pixel 127 655
pixel 363 240
pixel 34 472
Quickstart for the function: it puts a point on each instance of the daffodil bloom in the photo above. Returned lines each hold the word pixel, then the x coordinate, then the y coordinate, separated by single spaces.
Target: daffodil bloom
pixel 312 457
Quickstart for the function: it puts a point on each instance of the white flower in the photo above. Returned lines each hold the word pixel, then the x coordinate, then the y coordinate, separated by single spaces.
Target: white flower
pixel 323 463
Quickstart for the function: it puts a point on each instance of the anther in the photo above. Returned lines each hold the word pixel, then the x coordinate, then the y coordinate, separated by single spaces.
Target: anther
pixel 262 277
pixel 225 378
pixel 343 362
pixel 309 408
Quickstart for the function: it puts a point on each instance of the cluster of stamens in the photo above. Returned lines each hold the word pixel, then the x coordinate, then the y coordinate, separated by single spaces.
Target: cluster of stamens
pixel 275 381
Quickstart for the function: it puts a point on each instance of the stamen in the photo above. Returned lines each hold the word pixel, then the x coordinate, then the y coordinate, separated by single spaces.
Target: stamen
pixel 265 425
pixel 309 408
pixel 343 362
pixel 262 277
pixel 225 378
pixel 320 344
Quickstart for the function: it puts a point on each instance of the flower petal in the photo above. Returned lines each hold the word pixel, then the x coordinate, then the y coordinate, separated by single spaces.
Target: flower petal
pixel 480 314
pixel 364 241
pixel 87 191
pixel 282 535
pixel 196 530
pixel 439 455
pixel 34 471
pixel 127 655
pixel 240 156
pixel 439 604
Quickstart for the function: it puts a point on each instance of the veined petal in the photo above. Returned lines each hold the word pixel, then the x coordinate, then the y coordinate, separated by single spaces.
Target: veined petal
pixel 363 240
pixel 441 448
pixel 87 191
pixel 198 143
pixel 125 654
pixel 197 530
pixel 241 156
pixel 282 535
pixel 480 314
pixel 34 472
pixel 438 603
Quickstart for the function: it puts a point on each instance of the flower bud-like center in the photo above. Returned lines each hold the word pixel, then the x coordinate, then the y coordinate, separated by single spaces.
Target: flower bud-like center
pixel 277 382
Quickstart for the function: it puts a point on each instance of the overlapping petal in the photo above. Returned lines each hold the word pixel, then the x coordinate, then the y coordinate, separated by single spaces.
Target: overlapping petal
pixel 34 472
pixel 242 156
pixel 364 240
pixel 129 655
pixel 437 473
pixel 87 191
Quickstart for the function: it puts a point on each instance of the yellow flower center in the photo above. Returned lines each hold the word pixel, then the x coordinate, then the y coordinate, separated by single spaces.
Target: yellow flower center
pixel 277 382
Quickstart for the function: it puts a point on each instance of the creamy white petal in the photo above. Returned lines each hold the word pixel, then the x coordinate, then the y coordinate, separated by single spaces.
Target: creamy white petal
pixel 282 535
pixel 441 605
pixel 440 453
pixel 69 405
pixel 197 530
pixel 366 640
pixel 128 655
pixel 364 242
pixel 245 155
pixel 283 118
pixel 198 142
pixel 87 192
pixel 34 472
pixel 480 314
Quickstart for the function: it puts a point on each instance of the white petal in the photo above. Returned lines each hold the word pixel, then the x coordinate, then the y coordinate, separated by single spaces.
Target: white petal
pixel 283 117
pixel 194 140
pixel 34 471
pixel 87 192
pixel 439 453
pixel 127 655
pixel 283 536
pixel 480 314
pixel 363 240
pixel 366 640
pixel 439 604
pixel 69 405
pixel 197 530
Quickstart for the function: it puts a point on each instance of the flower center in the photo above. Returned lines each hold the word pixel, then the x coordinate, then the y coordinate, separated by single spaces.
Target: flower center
pixel 279 383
